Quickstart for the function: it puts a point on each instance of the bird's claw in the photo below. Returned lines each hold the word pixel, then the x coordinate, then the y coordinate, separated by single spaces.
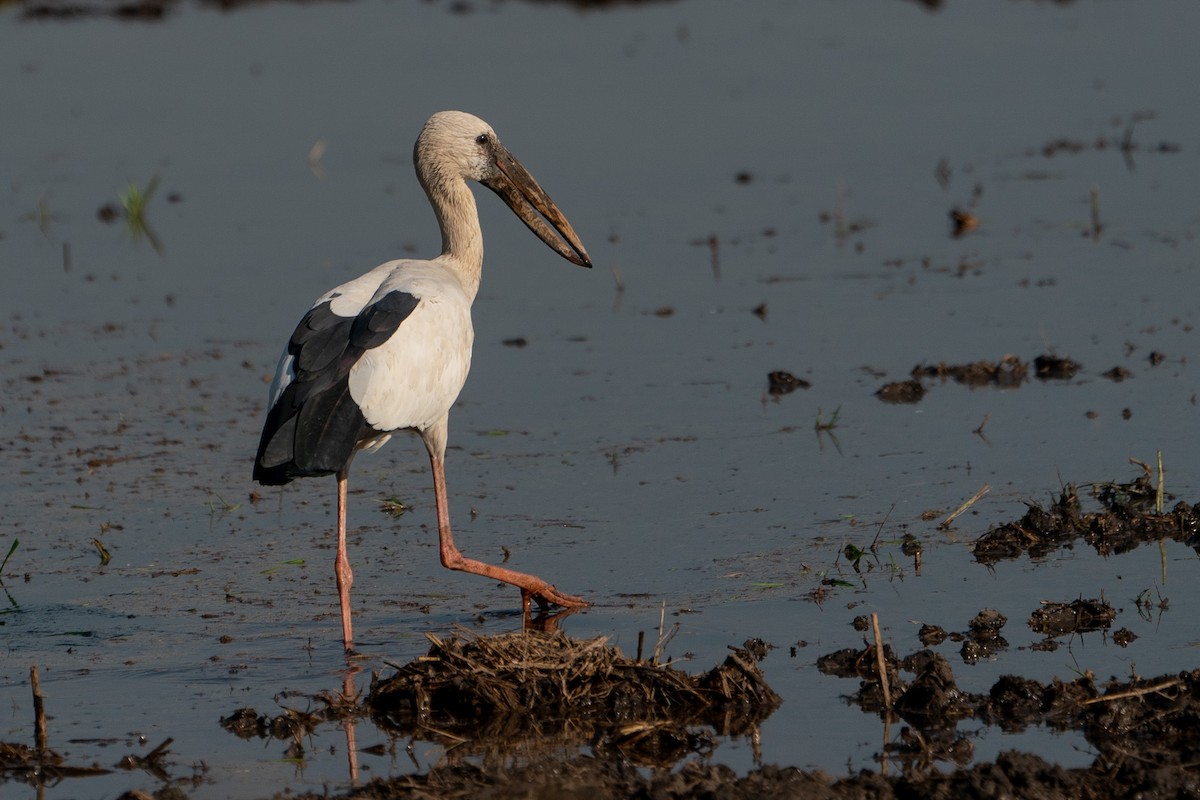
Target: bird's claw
pixel 548 596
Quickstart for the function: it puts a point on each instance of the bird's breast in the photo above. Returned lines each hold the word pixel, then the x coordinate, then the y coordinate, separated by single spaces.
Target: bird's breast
pixel 412 379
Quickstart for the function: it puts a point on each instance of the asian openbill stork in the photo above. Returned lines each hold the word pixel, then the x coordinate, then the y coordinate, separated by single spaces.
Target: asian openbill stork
pixel 389 351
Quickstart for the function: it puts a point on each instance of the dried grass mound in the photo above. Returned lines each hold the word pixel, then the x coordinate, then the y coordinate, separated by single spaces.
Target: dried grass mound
pixel 481 687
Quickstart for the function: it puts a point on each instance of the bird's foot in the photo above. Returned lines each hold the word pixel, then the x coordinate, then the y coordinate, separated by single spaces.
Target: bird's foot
pixel 353 655
pixel 548 596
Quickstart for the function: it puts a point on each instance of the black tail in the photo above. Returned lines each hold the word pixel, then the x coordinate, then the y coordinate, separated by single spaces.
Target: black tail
pixel 308 433
pixel 315 425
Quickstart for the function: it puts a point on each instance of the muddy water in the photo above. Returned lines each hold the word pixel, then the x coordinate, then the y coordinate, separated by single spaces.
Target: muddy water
pixel 629 451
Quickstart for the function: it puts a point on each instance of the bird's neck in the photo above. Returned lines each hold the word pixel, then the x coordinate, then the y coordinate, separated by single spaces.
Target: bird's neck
pixel 462 240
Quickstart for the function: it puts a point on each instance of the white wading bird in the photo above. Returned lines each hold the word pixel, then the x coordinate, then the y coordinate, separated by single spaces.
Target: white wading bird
pixel 389 351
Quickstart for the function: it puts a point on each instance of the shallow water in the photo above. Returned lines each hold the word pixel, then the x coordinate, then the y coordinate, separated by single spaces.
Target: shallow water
pixel 630 455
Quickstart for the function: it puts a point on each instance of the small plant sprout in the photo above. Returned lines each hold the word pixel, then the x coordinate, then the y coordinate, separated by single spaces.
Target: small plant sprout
pixel 105 556
pixel 394 507
pixel 134 201
pixel 12 549
pixel 43 216
pixel 825 428
pixel 874 548
pixel 279 565
pixel 221 506
pixel 854 554
pixel 831 424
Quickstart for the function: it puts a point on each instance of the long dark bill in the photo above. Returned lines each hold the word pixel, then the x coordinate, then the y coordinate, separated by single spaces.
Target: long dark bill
pixel 518 189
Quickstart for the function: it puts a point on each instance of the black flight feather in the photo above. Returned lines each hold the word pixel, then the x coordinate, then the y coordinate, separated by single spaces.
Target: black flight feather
pixel 315 425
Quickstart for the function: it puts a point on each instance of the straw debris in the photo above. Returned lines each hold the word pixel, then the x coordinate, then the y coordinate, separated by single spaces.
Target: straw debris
pixel 481 689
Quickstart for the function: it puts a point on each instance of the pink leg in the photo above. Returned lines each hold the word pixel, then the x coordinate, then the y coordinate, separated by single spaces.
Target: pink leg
pixel 341 564
pixel 531 586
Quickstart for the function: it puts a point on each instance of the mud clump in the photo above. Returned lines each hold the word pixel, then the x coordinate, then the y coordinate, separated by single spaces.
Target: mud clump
pixel 931 635
pixel 780 383
pixel 932 698
pixel 291 725
pixel 1126 520
pixel 20 762
pixel 901 392
pixel 1078 616
pixel 143 10
pixel 986 625
pixel 1008 372
pixel 1124 637
pixel 1117 374
pixel 983 638
pixel 1145 731
pixel 1012 774
pixel 1054 368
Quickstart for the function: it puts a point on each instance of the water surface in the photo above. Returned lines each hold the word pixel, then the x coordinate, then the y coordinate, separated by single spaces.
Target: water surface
pixel 629 451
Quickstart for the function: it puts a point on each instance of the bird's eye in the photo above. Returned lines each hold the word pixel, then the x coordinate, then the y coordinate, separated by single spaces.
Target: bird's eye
pixel 482 139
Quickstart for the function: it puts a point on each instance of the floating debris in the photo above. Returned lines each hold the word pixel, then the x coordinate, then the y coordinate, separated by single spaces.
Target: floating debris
pixel 1117 374
pixel 901 392
pixel 962 222
pixel 1124 637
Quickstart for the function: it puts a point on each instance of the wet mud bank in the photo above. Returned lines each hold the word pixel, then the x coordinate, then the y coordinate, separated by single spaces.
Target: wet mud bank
pixel 1013 774
pixel 539 713
pixel 1144 732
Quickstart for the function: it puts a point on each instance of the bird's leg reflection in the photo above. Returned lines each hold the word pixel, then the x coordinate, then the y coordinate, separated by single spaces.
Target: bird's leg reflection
pixel 543 622
pixel 350 697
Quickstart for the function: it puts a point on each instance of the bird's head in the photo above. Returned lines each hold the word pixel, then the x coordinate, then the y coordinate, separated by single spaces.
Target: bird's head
pixel 455 145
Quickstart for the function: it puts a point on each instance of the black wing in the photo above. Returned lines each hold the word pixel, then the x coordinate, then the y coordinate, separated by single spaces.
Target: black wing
pixel 315 425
